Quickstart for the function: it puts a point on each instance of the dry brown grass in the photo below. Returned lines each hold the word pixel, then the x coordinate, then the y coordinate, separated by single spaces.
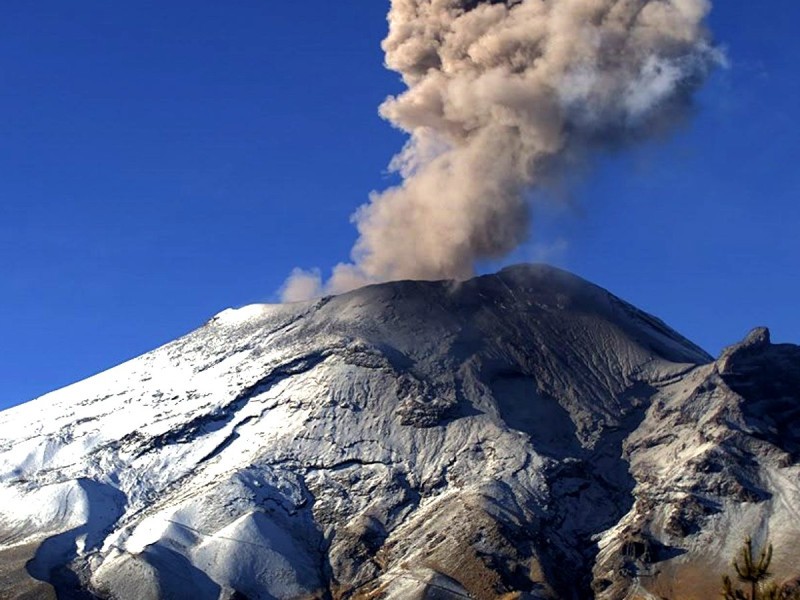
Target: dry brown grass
pixel 15 583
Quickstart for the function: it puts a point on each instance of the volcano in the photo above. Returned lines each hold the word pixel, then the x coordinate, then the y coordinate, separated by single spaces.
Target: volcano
pixel 519 435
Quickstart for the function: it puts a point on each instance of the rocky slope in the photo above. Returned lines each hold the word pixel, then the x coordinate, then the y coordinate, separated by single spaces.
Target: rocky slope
pixel 520 435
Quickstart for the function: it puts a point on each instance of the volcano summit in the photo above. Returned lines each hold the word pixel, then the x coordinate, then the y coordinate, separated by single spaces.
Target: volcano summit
pixel 519 435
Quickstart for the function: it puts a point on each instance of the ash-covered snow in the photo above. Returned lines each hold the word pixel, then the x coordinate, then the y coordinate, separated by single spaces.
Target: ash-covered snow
pixel 405 440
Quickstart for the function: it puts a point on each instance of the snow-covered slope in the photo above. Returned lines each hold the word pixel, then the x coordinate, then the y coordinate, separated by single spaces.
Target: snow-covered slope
pixel 524 432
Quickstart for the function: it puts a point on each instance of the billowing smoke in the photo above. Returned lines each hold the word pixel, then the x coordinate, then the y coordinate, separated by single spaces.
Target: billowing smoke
pixel 503 96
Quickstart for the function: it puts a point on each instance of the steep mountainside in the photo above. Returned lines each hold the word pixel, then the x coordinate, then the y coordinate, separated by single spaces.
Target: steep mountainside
pixel 525 432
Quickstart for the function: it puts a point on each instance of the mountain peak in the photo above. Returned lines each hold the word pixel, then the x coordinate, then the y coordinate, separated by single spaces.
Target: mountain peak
pixel 464 437
pixel 756 342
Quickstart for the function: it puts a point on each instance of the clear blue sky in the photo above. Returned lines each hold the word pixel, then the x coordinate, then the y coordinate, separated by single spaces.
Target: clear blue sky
pixel 161 161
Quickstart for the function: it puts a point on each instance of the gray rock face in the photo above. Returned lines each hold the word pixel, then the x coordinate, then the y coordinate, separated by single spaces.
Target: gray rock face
pixel 715 459
pixel 520 435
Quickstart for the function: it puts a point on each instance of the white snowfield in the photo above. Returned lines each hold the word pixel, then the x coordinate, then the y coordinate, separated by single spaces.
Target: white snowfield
pixel 522 433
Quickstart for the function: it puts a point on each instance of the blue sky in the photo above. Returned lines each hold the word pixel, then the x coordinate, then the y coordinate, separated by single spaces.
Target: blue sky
pixel 163 161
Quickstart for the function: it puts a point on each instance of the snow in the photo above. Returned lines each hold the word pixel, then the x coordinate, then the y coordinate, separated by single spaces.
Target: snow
pixel 373 441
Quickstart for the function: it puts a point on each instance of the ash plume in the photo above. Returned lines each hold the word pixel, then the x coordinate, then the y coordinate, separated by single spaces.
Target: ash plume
pixel 503 96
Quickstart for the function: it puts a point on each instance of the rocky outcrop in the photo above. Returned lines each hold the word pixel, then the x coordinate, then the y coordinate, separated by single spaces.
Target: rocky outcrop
pixel 715 459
